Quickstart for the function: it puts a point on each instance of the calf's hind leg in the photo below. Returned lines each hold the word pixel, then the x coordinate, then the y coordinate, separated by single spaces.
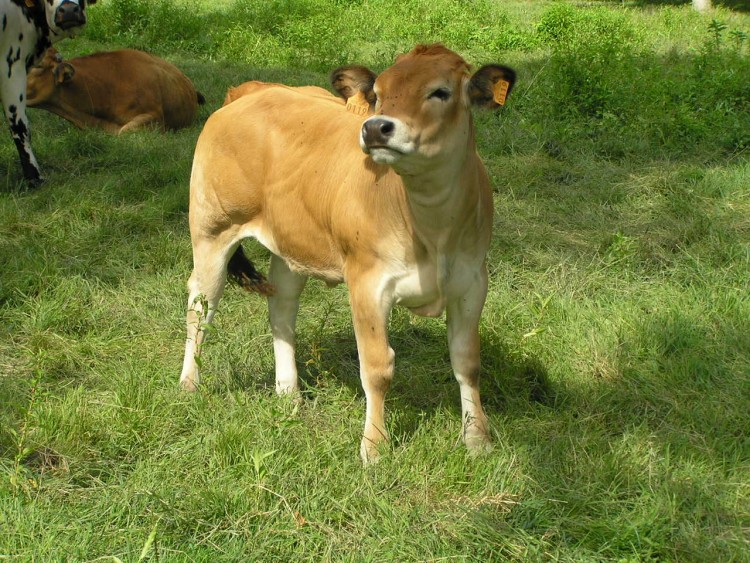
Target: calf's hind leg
pixel 205 287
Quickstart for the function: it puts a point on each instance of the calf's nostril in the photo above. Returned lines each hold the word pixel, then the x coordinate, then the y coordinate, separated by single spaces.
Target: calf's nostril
pixel 378 131
pixel 386 128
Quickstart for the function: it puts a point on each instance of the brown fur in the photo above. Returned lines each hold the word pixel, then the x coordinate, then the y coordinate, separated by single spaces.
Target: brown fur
pixel 116 91
pixel 245 88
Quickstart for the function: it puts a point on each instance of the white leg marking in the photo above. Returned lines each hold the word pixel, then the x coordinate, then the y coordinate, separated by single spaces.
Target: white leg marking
pixel 282 312
pixel 463 342
pixel 206 286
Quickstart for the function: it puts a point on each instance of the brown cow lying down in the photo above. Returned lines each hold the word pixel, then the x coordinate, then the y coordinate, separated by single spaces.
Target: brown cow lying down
pixel 396 204
pixel 117 91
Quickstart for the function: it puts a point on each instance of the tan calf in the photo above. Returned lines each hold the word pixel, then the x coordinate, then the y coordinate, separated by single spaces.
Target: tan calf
pixel 397 205
pixel 116 91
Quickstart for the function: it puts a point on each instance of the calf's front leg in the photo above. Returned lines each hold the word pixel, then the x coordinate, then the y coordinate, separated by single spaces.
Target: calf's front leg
pixel 370 310
pixel 282 311
pixel 463 313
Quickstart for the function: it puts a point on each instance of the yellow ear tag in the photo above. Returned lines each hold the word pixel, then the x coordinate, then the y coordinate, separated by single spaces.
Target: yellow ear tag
pixel 358 104
pixel 500 91
pixel 29 3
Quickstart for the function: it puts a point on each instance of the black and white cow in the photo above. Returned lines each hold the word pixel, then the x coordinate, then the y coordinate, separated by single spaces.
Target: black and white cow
pixel 27 29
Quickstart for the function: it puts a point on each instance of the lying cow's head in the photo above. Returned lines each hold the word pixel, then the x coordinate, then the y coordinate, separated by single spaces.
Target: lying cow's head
pixel 43 79
pixel 64 17
pixel 421 104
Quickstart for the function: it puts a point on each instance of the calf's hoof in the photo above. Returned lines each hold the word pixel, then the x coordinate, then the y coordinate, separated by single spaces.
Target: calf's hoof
pixel 370 451
pixel 478 445
pixel 188 385
pixel 476 436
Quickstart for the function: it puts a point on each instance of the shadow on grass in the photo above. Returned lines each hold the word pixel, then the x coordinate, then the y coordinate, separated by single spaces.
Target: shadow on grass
pixel 658 444
pixel 672 390
pixel 423 383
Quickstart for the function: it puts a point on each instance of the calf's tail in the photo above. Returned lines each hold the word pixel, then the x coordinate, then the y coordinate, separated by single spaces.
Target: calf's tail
pixel 243 272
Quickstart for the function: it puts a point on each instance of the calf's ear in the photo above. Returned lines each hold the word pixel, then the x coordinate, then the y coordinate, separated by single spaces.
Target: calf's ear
pixel 348 81
pixel 64 72
pixel 490 86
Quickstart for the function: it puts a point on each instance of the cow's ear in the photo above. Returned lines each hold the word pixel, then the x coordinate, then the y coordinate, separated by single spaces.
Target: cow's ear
pixel 348 81
pixel 490 86
pixel 49 60
pixel 64 72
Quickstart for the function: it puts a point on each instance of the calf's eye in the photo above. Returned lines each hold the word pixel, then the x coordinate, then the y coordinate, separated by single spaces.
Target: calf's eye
pixel 442 94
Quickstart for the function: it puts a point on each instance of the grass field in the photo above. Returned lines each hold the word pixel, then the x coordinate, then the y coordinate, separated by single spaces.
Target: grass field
pixel 616 335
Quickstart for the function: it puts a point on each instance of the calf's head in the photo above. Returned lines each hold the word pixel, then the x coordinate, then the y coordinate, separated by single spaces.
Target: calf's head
pixel 420 107
pixel 43 79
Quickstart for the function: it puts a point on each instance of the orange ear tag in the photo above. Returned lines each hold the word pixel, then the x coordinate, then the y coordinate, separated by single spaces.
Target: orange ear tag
pixel 500 91
pixel 358 104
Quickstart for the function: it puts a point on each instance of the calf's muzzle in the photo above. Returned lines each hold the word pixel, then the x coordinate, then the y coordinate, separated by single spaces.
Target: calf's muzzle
pixel 377 131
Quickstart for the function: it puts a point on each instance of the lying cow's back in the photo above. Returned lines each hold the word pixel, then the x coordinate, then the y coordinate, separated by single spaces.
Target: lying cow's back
pixel 143 81
pixel 318 194
pixel 115 87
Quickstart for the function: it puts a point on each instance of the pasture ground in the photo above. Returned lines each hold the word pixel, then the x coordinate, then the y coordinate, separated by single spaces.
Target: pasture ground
pixel 616 335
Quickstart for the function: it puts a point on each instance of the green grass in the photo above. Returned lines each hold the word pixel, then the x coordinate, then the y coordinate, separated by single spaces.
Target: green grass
pixel 616 335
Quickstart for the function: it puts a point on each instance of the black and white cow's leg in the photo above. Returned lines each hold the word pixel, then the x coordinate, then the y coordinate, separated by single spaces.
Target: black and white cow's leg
pixel 13 93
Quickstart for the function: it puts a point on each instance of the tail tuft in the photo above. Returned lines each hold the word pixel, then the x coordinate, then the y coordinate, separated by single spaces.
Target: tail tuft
pixel 243 272
pixel 201 98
